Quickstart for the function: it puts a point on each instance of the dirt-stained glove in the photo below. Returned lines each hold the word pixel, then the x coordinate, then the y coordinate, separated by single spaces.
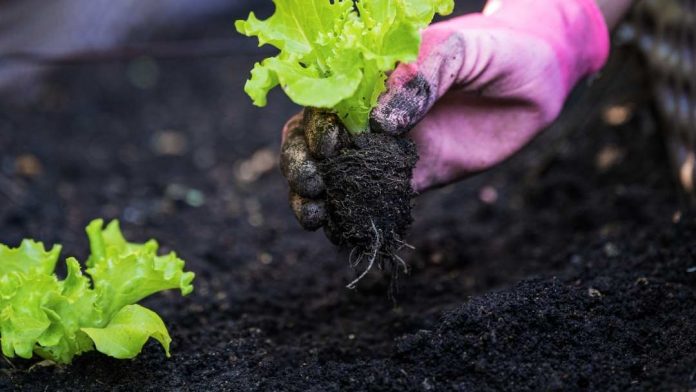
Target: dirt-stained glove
pixel 309 136
pixel 483 86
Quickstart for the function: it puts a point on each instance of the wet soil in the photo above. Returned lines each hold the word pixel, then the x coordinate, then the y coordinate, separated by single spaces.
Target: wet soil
pixel 567 268
pixel 369 200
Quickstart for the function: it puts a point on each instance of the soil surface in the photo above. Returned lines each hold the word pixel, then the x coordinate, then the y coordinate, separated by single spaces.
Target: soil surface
pixel 567 268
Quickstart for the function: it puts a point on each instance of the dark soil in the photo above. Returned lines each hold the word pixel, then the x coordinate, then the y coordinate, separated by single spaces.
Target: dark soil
pixel 567 268
pixel 368 193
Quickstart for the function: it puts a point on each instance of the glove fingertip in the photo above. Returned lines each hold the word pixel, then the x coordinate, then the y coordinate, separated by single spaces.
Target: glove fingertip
pixel 292 125
pixel 307 181
pixel 402 106
pixel 311 214
pixel 324 132
pixel 381 121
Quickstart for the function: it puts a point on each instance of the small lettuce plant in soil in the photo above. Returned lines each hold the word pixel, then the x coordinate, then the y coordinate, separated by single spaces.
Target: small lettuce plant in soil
pixel 58 319
pixel 334 56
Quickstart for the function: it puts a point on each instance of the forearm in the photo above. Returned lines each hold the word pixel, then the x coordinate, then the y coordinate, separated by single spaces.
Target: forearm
pixel 614 10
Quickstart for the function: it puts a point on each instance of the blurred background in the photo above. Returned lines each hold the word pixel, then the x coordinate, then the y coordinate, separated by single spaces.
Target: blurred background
pixel 34 35
pixel 135 110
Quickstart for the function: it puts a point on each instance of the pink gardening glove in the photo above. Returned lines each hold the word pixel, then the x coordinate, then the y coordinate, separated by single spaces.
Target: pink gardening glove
pixel 483 86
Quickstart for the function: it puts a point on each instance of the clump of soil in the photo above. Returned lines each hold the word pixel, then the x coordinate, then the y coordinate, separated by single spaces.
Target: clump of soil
pixel 368 189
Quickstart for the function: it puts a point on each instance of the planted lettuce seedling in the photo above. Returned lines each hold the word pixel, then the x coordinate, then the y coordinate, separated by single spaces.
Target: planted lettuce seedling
pixel 335 56
pixel 59 319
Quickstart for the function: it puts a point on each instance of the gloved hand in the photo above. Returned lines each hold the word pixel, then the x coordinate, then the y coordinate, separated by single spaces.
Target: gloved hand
pixel 483 86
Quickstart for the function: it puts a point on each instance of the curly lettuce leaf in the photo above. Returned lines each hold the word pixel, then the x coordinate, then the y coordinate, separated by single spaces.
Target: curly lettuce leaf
pixel 124 273
pixel 70 309
pixel 59 319
pixel 23 317
pixel 128 331
pixel 307 35
pixel 30 255
pixel 336 54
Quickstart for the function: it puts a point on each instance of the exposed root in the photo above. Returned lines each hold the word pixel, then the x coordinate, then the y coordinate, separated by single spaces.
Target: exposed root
pixel 404 244
pixel 401 262
pixel 373 257
pixel 368 189
pixel 352 285
pixel 377 255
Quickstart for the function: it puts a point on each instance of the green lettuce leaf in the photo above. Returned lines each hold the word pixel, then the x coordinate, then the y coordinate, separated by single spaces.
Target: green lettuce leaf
pixel 25 285
pixel 128 331
pixel 70 309
pixel 334 54
pixel 30 255
pixel 124 273
pixel 23 317
pixel 59 319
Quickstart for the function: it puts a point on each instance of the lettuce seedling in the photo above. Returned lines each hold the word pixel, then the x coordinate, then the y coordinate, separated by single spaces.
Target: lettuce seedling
pixel 335 54
pixel 59 319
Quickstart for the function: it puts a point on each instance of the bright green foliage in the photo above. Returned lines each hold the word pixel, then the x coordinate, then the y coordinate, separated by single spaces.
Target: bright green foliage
pixel 334 54
pixel 58 319
pixel 128 331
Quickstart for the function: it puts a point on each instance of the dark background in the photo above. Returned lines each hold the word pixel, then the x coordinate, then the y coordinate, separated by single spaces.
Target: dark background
pixel 566 268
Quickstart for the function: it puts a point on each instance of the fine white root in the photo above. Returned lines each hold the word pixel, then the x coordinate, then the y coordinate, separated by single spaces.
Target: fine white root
pixel 404 245
pixel 401 262
pixel 375 251
pixel 354 263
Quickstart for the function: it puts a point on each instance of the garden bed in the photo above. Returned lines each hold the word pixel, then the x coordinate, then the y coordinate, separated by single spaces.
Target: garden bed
pixel 566 268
